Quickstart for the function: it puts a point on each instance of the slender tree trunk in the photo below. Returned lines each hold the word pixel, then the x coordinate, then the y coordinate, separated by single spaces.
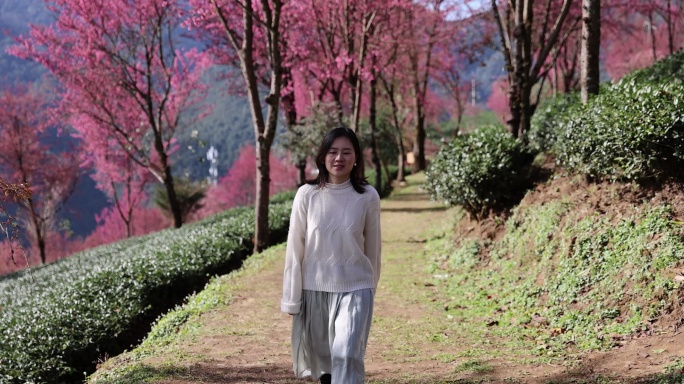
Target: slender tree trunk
pixel 290 112
pixel 375 156
pixel 357 79
pixel 263 190
pixel 591 46
pixel 266 139
pixel 670 27
pixel 117 203
pixel 651 31
pixel 419 145
pixel 301 172
pixel 401 177
pixel 37 230
pixel 264 129
pixel 35 220
pixel 167 178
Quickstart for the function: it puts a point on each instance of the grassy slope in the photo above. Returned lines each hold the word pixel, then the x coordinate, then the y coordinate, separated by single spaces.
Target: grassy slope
pixel 573 269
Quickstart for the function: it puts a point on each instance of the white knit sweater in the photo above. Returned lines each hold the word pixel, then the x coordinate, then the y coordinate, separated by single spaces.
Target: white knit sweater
pixel 333 244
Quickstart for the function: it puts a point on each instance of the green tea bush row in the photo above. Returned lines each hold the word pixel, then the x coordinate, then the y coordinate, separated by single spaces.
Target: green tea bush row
pixel 481 171
pixel 56 321
pixel 633 130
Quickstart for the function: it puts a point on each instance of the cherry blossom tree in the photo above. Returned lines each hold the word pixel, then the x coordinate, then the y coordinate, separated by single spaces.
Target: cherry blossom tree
pixel 118 176
pixel 31 155
pixel 331 49
pixel 639 32
pixel 528 34
pixel 110 227
pixel 425 23
pixel 249 35
pixel 124 78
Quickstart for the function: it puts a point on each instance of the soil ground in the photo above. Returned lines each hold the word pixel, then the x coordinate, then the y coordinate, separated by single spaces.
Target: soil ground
pixel 411 338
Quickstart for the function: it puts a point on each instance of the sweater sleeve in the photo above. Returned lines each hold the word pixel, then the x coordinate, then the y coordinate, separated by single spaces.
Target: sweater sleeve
pixel 372 236
pixel 294 254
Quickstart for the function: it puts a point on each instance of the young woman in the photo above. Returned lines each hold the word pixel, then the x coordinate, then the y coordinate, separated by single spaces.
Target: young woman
pixel 332 264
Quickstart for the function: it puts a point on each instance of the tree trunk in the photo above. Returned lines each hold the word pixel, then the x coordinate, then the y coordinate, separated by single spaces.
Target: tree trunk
pixel 264 129
pixel 516 112
pixel 419 145
pixel 401 177
pixel 262 195
pixel 375 156
pixel 127 216
pixel 173 198
pixel 670 27
pixel 290 113
pixel 37 230
pixel 651 31
pixel 591 46
pixel 301 172
pixel 523 70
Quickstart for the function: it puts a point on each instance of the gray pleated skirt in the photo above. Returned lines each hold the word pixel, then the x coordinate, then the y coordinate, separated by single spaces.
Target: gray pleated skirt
pixel 329 335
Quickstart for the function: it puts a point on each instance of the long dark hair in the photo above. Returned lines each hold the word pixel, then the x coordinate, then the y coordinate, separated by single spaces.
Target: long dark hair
pixel 358 180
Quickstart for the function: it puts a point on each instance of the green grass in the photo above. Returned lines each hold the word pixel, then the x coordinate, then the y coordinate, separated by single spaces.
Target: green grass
pixel 559 283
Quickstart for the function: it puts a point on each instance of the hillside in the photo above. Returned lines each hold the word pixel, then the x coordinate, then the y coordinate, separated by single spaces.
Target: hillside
pixel 445 312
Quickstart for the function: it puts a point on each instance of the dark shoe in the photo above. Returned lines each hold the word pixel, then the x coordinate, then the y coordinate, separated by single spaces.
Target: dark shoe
pixel 326 379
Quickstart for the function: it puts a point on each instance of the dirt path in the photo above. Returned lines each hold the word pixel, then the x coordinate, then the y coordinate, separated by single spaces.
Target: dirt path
pixel 412 340
pixel 249 341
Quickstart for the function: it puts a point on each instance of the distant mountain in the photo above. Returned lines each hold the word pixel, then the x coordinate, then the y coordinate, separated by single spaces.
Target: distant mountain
pixel 15 16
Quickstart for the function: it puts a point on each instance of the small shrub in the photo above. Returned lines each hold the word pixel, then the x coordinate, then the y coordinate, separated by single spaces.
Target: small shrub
pixel 481 171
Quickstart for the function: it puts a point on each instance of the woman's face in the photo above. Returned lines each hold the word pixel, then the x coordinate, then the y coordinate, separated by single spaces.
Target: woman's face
pixel 340 159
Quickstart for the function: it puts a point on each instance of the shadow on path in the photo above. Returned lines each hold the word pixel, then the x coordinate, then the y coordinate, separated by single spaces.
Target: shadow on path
pixel 212 374
pixel 415 210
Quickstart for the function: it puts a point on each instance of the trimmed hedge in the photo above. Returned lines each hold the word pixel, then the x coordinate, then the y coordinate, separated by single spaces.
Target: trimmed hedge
pixel 481 171
pixel 56 321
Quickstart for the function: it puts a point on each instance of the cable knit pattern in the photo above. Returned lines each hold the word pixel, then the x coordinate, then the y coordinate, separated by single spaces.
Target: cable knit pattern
pixel 333 244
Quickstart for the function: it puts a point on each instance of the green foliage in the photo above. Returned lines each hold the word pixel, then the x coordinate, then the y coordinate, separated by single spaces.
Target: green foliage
pixel 547 120
pixel 481 171
pixel 56 321
pixel 559 281
pixel 634 131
